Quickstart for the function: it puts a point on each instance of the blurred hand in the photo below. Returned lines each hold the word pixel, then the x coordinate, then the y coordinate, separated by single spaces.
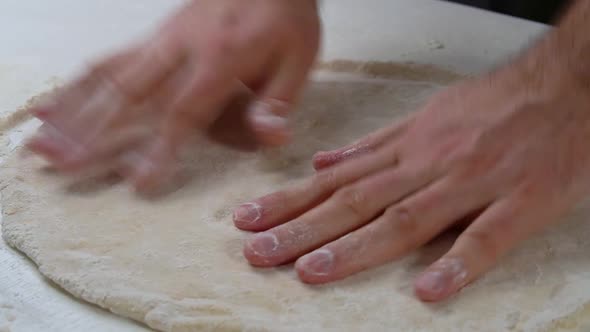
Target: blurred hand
pixel 136 109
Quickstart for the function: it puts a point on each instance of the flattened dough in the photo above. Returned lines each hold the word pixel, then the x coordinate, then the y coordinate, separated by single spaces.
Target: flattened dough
pixel 176 263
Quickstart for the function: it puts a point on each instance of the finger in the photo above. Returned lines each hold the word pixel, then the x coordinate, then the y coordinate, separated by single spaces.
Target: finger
pixel 282 206
pixel 52 144
pixel 133 69
pixel 77 157
pixel 122 87
pixel 146 176
pixel 62 139
pixel 105 150
pixel 268 114
pixel 96 102
pixel 348 209
pixel 155 61
pixel 196 107
pixel 499 229
pixel 135 72
pixel 402 228
pixel 325 159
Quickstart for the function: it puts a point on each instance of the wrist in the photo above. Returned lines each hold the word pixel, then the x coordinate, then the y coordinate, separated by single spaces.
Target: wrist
pixel 549 68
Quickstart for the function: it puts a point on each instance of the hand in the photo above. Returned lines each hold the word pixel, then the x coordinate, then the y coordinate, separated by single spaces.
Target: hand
pixel 509 148
pixel 136 109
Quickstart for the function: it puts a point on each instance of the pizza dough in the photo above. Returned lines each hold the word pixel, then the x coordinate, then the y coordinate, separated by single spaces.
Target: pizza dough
pixel 176 263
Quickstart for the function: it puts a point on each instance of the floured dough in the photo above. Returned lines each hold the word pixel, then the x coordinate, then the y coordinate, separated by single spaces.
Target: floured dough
pixel 176 263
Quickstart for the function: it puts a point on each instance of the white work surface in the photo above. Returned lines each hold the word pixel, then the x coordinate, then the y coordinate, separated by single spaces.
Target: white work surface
pixel 41 41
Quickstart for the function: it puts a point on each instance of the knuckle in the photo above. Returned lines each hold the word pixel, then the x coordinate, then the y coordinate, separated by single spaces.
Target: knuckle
pixel 390 155
pixel 325 181
pixel 459 150
pixel 354 200
pixel 401 220
pixel 393 159
pixel 474 163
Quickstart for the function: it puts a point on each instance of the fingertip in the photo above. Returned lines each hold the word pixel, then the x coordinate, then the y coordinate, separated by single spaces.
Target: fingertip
pixel 442 279
pixel 262 250
pixel 269 121
pixel 62 158
pixel 145 178
pixel 322 160
pixel 317 267
pixel 305 276
pixel 251 257
pixel 35 145
pixel 424 293
pixel 247 216
pixel 46 147
pixel 302 273
pixel 264 212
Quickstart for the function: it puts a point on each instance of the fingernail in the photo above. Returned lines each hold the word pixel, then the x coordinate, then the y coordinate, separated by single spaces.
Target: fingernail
pixel 446 276
pixel 319 262
pixel 264 244
pixel 264 118
pixel 248 213
pixel 139 163
pixel 433 282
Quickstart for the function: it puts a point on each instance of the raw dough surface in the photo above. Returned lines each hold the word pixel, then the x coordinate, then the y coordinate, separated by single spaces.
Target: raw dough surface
pixel 176 263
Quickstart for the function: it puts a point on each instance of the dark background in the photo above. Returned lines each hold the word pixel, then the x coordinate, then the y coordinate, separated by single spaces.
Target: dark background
pixel 545 11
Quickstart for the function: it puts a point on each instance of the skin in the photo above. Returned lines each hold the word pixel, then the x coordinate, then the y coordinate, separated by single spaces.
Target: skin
pixel 135 110
pixel 507 149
